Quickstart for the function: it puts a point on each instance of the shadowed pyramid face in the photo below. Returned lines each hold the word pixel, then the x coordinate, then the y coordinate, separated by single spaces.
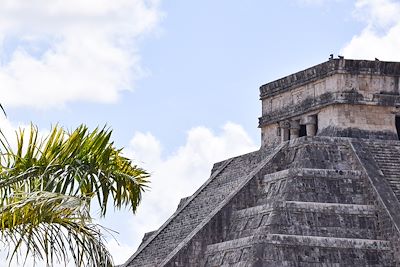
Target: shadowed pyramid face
pixel 311 201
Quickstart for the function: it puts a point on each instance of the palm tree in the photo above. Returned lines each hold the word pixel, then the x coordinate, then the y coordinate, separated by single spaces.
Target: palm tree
pixel 48 185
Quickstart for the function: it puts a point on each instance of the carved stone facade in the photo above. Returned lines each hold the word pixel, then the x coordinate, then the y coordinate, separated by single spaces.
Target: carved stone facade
pixel 341 96
pixel 323 189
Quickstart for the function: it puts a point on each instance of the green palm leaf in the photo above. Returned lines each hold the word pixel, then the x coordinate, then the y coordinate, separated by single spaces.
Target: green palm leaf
pixel 47 186
pixel 43 223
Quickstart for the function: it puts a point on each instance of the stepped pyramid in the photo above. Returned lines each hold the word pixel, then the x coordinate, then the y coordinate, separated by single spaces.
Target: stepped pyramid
pixel 323 189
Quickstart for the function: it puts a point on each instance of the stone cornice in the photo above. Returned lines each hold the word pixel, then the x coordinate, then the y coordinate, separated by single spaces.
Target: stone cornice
pixel 324 100
pixel 326 69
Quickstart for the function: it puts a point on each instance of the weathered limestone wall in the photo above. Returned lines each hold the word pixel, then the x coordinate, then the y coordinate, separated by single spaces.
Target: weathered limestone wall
pixel 357 121
pixel 297 95
pixel 369 84
pixel 270 135
pixel 366 85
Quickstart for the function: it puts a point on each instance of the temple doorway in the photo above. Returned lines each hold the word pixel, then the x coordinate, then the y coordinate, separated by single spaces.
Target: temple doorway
pixel 303 131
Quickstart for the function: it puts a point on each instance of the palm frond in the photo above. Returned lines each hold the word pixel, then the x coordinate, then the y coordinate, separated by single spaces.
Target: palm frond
pixel 43 223
pixel 81 163
pixel 47 186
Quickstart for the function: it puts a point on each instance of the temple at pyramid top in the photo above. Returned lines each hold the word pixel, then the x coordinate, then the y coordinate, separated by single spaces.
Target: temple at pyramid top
pixel 340 97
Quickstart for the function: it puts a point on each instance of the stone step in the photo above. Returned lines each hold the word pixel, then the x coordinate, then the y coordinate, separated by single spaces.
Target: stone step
pixel 392 178
pixel 332 207
pixel 391 175
pixel 305 218
pixel 285 250
pixel 389 167
pixel 310 206
pixel 384 149
pixel 385 156
pixel 326 219
pixel 297 240
pixel 384 145
pixel 385 164
pixel 390 170
pixel 394 166
pixel 390 158
pixel 378 152
pixel 389 164
pixel 317 185
pixel 387 161
pixel 383 153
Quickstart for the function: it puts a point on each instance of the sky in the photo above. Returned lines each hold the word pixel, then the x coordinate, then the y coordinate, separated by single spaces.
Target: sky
pixel 177 81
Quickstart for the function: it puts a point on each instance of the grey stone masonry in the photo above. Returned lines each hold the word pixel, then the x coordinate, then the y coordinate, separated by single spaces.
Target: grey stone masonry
pixel 387 156
pixel 222 182
pixel 322 191
pixel 307 216
pixel 373 155
pixel 311 202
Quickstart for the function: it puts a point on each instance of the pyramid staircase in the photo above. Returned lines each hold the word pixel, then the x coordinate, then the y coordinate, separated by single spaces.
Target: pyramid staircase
pixel 308 202
pixel 387 156
pixel 306 217
pixel 315 218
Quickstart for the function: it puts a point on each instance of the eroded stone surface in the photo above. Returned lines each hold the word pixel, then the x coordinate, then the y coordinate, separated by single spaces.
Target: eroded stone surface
pixel 289 214
pixel 329 198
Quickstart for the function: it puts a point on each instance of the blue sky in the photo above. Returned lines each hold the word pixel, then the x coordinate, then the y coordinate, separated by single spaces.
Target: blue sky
pixel 176 80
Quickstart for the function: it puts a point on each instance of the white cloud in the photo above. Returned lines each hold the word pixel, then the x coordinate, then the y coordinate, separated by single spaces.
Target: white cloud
pixel 174 176
pixel 381 36
pixel 54 52
pixel 120 251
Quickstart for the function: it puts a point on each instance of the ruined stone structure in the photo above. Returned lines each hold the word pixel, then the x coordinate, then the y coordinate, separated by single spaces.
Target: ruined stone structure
pixel 323 190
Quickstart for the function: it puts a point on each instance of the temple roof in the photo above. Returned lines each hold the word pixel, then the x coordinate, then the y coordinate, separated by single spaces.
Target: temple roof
pixel 328 68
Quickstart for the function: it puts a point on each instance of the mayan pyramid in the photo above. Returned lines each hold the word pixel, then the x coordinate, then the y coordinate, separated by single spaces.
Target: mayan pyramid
pixel 323 189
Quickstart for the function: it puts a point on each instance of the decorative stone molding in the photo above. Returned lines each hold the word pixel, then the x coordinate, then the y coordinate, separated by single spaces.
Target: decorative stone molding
pixel 284 124
pixel 310 119
pixel 328 68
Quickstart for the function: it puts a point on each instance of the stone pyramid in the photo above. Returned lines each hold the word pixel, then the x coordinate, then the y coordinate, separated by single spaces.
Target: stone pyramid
pixel 323 189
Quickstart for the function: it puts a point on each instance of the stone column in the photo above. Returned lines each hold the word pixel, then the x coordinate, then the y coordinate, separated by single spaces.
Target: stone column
pixel 294 129
pixel 311 125
pixel 284 125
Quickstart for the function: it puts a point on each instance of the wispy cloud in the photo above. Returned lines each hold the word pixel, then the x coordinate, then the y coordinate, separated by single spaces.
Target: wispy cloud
pixel 381 35
pixel 54 52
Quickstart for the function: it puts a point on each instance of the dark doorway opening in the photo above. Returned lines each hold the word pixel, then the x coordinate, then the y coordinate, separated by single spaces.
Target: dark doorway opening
pixel 398 127
pixel 303 131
